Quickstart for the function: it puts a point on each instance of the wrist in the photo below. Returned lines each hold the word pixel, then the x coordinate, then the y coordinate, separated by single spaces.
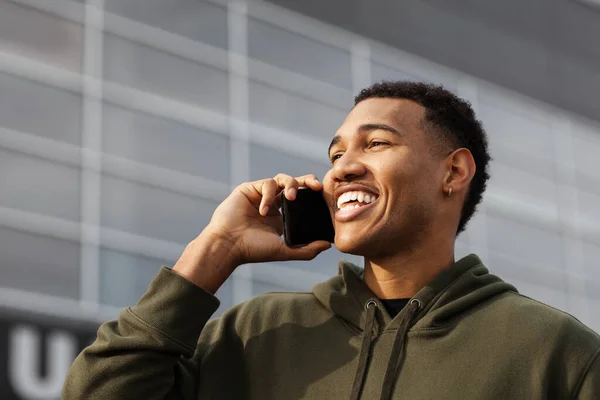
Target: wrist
pixel 207 261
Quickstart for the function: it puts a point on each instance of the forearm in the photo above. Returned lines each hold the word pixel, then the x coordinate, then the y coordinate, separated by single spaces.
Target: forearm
pixel 207 261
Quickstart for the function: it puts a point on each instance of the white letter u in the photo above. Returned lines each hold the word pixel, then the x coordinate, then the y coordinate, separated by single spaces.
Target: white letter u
pixel 24 358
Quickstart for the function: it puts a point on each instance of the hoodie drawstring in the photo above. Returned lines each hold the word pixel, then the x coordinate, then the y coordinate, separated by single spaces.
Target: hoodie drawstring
pixel 365 347
pixel 398 349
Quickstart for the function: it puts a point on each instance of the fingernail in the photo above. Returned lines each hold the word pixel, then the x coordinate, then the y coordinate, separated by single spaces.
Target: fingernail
pixel 265 210
pixel 291 192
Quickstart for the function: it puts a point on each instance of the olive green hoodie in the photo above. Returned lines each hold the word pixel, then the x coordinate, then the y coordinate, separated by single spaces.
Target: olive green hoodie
pixel 466 335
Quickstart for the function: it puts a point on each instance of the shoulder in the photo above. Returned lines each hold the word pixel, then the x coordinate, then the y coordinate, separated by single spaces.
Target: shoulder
pixel 568 349
pixel 538 320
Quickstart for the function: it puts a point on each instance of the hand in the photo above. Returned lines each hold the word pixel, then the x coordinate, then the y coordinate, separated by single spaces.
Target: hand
pixel 246 228
pixel 249 219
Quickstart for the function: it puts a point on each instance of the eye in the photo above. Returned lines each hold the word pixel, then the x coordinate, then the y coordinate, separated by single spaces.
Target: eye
pixel 377 143
pixel 335 157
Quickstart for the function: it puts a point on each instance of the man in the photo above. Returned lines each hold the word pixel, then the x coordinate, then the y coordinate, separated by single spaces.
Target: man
pixel 409 166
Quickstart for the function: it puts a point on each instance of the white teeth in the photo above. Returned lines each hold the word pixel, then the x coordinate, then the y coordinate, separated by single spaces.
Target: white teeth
pixel 345 198
pixel 341 200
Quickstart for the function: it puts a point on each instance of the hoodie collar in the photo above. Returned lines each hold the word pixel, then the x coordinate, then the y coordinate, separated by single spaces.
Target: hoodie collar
pixel 463 285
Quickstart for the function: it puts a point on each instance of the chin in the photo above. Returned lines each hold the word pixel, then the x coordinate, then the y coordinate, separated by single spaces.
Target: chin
pixel 351 243
pixel 371 245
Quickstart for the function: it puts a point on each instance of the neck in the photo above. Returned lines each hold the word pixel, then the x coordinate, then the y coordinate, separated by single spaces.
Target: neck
pixel 401 276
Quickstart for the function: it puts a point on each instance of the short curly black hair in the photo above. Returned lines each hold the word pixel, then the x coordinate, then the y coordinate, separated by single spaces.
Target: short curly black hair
pixel 453 119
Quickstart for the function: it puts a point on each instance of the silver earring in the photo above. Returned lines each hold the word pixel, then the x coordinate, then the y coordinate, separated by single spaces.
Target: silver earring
pixel 450 191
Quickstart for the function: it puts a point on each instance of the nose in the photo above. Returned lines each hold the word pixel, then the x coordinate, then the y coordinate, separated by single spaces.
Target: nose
pixel 347 168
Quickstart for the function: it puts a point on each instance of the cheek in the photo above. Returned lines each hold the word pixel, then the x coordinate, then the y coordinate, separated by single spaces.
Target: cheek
pixel 403 177
pixel 413 183
pixel 328 186
pixel 424 191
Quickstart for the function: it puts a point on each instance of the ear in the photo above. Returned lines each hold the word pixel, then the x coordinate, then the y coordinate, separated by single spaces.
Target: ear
pixel 460 169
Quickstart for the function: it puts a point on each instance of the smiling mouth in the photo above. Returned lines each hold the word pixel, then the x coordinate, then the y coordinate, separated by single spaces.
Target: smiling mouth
pixel 355 199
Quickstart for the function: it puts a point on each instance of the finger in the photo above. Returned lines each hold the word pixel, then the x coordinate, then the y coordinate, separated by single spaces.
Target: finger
pixel 306 253
pixel 269 192
pixel 289 185
pixel 310 181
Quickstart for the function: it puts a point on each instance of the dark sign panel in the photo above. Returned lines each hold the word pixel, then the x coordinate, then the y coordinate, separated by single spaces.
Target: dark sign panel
pixel 36 352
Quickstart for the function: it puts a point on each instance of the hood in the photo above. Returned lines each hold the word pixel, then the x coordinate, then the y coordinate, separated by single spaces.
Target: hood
pixel 463 285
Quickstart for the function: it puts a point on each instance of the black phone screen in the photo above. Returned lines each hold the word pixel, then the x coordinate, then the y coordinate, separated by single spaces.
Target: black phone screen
pixel 306 218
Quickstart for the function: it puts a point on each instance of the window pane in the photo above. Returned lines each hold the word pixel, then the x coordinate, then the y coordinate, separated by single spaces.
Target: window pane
pixel 523 186
pixel 266 163
pixel 586 146
pixel 165 143
pixel 282 48
pixel 194 19
pixel 153 212
pixel 589 210
pixel 532 246
pixel 528 135
pixel 124 278
pixel 471 239
pixel 154 71
pixel 36 185
pixel 380 72
pixel 44 37
pixel 591 255
pixel 39 109
pixel 283 110
pixel 39 264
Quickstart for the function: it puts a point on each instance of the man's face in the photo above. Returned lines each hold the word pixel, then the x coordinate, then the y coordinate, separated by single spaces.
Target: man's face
pixel 386 182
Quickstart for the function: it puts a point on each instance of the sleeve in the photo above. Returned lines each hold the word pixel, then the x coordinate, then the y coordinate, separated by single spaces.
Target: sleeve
pixel 151 351
pixel 589 388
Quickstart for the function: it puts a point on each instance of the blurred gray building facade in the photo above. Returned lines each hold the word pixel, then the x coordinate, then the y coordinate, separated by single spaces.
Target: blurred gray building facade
pixel 123 123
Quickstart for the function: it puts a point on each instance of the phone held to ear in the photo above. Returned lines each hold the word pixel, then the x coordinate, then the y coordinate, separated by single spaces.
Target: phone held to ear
pixel 306 219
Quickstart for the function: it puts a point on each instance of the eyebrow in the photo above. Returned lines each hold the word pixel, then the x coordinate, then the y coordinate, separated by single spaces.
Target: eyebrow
pixel 364 129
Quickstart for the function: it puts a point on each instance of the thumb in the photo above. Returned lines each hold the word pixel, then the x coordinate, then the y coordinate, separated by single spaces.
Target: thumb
pixel 307 252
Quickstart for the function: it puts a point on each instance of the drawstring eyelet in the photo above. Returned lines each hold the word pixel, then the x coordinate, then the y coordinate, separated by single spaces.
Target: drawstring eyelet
pixel 417 301
pixel 371 303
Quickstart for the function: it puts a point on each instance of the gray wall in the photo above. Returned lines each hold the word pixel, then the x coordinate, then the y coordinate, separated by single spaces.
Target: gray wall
pixel 546 49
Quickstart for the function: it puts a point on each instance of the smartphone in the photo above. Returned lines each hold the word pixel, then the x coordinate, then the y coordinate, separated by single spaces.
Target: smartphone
pixel 306 218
